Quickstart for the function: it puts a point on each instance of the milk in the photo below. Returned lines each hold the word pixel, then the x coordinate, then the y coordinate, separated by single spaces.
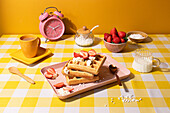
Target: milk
pixel 144 65
pixel 143 61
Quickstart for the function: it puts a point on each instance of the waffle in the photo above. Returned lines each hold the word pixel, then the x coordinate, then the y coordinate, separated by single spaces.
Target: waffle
pixel 93 68
pixel 79 80
pixel 77 73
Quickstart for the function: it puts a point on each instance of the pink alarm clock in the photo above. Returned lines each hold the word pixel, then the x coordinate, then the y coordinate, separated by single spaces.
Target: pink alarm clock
pixel 51 26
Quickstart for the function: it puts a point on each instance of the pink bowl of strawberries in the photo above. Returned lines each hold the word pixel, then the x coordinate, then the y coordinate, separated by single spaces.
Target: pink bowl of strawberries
pixel 115 41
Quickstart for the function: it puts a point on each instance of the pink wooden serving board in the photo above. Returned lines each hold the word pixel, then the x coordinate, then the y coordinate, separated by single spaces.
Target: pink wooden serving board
pixel 105 75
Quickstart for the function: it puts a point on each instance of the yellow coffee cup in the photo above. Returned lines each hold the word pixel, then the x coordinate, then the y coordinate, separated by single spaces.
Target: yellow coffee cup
pixel 29 45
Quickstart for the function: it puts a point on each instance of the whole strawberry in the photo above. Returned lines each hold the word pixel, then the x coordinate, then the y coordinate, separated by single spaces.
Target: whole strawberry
pixel 121 34
pixel 113 31
pixel 106 35
pixel 109 39
pixel 122 40
pixel 116 40
pixel 114 36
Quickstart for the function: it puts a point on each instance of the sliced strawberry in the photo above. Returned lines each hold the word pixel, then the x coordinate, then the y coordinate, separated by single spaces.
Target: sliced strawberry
pixel 68 88
pixel 109 39
pixel 47 75
pixel 77 55
pixel 51 71
pixel 59 85
pixel 92 53
pixel 84 54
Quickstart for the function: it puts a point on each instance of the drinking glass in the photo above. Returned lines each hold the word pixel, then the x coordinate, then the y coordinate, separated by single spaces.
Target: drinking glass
pixel 144 61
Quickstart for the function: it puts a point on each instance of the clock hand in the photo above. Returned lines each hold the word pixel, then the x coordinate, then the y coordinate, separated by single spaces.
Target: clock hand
pixel 51 27
pixel 57 26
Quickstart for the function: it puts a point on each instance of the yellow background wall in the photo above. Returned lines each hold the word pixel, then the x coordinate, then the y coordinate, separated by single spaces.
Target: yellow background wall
pixel 150 16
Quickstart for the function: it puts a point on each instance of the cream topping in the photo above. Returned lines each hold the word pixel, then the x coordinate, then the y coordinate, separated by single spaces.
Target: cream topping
pixel 63 92
pixel 78 59
pixel 89 62
pixel 92 58
pixel 66 71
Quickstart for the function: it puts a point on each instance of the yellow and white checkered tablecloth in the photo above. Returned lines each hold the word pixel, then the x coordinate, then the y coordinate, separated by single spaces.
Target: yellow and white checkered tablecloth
pixel 17 95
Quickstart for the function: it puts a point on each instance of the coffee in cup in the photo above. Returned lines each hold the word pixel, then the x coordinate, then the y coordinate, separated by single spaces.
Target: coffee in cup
pixel 29 45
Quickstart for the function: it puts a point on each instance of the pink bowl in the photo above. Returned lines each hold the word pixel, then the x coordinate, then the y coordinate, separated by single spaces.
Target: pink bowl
pixel 114 47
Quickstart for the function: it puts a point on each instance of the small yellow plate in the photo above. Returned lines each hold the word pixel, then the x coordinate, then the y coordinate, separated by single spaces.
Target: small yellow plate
pixel 42 52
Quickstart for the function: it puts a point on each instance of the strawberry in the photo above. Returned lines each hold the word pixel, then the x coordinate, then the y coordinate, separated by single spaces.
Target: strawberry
pixel 84 54
pixel 113 31
pixel 122 40
pixel 92 53
pixel 68 88
pixel 59 85
pixel 51 71
pixel 106 35
pixel 77 55
pixel 116 40
pixel 114 35
pixel 47 75
pixel 109 39
pixel 121 34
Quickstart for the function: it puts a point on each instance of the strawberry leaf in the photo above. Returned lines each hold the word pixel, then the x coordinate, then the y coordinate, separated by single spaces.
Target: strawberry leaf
pixel 126 38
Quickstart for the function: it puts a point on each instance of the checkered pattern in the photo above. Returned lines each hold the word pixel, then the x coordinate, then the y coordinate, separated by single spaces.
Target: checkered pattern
pixel 17 95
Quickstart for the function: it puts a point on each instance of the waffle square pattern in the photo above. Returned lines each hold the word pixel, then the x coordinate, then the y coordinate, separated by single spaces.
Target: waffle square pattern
pixel 79 70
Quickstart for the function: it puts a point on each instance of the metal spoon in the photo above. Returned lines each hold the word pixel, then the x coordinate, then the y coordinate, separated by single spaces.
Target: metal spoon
pixel 14 70
pixel 114 70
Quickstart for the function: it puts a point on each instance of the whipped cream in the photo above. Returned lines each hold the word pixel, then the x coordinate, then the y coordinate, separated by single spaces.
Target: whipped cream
pixel 92 58
pixel 66 71
pixel 62 92
pixel 78 59
pixel 55 76
pixel 89 62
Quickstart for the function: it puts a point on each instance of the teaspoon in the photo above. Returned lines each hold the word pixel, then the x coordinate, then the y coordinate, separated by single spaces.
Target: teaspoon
pixel 114 70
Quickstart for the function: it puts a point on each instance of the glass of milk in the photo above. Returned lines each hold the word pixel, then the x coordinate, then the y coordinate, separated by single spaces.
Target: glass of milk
pixel 144 61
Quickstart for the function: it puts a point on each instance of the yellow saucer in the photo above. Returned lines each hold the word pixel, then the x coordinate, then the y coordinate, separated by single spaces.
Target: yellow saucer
pixel 42 52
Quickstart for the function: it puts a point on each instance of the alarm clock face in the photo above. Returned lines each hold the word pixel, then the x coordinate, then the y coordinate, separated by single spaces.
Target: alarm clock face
pixel 53 28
